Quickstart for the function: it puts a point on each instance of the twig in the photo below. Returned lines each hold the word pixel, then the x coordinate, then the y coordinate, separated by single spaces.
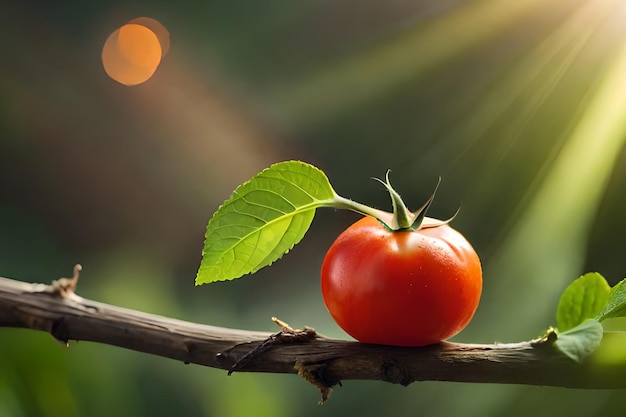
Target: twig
pixel 287 335
pixel 325 362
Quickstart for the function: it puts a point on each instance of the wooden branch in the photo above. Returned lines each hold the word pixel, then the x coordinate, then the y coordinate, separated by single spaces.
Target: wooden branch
pixel 57 310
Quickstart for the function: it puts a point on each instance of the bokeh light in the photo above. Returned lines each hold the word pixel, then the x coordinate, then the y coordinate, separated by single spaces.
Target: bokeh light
pixel 158 29
pixel 133 52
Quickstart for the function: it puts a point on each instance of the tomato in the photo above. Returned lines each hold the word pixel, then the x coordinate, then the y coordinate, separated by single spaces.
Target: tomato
pixel 401 288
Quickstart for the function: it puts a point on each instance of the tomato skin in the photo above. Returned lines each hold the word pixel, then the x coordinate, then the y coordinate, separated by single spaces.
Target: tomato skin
pixel 403 288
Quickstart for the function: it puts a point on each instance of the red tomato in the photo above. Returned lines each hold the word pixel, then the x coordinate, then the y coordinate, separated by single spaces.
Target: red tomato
pixel 401 288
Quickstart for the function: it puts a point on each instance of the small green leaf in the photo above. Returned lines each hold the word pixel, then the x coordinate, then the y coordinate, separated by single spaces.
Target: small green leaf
pixel 263 220
pixel 581 341
pixel 583 299
pixel 616 304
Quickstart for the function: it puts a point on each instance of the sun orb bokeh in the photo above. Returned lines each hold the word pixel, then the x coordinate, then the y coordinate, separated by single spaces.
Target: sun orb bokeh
pixel 133 52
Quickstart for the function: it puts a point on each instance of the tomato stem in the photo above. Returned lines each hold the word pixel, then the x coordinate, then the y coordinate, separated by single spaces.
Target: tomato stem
pixel 402 219
pixel 344 203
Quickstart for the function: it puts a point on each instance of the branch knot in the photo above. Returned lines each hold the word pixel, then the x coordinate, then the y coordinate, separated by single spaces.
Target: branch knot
pixel 64 287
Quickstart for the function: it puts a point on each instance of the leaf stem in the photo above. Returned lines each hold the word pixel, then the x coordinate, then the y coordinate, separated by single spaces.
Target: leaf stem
pixel 344 203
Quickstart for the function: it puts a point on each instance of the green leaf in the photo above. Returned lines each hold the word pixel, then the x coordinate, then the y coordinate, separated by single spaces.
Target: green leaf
pixel 583 299
pixel 616 304
pixel 263 220
pixel 581 341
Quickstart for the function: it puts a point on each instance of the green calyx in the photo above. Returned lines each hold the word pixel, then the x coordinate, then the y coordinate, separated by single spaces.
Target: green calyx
pixel 402 218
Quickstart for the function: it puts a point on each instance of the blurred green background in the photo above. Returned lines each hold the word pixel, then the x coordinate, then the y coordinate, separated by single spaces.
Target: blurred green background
pixel 520 107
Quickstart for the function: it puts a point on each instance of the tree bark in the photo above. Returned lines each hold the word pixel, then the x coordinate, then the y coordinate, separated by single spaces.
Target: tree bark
pixel 57 310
